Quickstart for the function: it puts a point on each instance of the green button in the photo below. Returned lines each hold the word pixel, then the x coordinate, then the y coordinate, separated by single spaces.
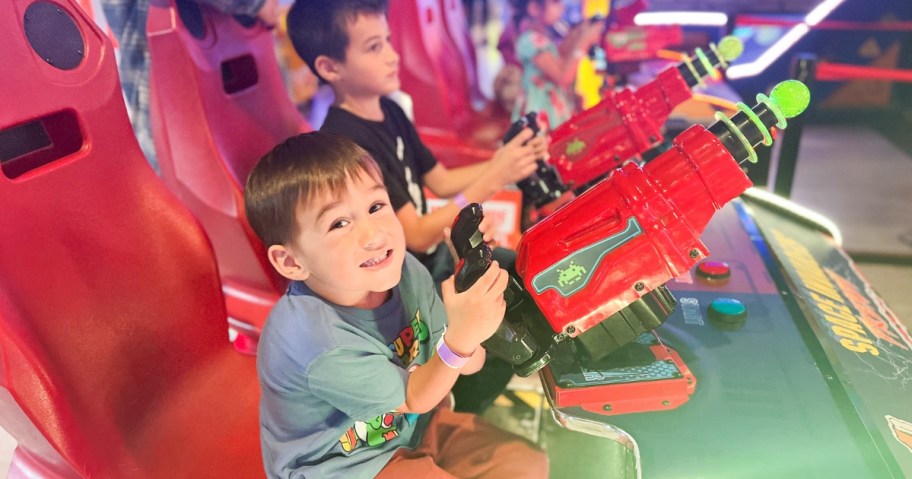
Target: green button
pixel 727 310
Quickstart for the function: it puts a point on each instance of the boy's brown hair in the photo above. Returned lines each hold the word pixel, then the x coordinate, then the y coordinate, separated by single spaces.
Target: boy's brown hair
pixel 320 27
pixel 295 172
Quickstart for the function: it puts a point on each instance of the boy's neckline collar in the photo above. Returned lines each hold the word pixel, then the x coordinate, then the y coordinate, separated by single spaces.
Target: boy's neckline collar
pixel 300 288
pixel 358 117
pixel 366 110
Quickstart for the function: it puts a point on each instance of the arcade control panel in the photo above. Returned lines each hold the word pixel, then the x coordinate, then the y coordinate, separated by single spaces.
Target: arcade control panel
pixel 779 361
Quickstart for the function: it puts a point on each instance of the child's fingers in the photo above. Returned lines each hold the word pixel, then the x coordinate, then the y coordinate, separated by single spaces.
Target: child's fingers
pixel 539 144
pixel 500 282
pixel 486 284
pixel 527 155
pixel 527 162
pixel 486 227
pixel 447 232
pixel 521 138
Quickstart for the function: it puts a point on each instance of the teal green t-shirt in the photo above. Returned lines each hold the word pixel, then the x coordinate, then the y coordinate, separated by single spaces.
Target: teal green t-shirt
pixel 330 377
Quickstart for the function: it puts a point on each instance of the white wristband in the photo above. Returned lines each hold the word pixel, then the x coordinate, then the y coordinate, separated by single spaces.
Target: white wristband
pixel 449 357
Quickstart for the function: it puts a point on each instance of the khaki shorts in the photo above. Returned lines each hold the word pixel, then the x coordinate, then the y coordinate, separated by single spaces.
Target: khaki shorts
pixel 461 445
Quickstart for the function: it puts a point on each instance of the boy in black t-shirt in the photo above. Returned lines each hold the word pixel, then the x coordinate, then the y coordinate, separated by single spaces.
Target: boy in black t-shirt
pixel 347 44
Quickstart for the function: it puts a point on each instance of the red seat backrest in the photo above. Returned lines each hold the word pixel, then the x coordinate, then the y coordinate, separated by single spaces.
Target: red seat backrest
pixel 110 302
pixel 432 69
pixel 457 28
pixel 218 105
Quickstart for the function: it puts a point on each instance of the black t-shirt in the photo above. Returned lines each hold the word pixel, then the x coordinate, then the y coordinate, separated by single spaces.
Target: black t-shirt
pixel 394 144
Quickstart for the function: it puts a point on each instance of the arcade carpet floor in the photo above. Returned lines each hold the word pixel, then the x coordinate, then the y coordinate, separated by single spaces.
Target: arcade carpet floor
pixel 850 173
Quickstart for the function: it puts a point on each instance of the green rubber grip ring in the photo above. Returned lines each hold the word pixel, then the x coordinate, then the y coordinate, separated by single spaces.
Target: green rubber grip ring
pixel 780 118
pixel 737 132
pixel 722 62
pixel 767 138
pixel 706 63
pixel 694 71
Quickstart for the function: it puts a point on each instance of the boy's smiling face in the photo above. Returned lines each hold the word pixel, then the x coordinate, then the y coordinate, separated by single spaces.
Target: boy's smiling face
pixel 350 247
pixel 371 66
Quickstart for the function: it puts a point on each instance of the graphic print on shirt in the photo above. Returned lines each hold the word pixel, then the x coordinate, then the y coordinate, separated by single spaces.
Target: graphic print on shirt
pixel 378 431
pixel 372 433
pixel 413 188
pixel 406 345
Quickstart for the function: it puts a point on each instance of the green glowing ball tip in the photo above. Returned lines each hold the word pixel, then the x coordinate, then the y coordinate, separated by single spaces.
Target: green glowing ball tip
pixel 730 48
pixel 792 97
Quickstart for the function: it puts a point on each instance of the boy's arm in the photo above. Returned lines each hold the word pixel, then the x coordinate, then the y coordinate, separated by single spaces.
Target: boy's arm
pixel 447 182
pixel 432 382
pixel 476 362
pixel 473 316
pixel 424 232
pixel 478 182
pixel 513 162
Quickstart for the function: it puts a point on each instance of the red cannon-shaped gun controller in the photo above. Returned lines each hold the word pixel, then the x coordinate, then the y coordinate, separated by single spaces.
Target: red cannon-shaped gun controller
pixel 593 271
pixel 628 122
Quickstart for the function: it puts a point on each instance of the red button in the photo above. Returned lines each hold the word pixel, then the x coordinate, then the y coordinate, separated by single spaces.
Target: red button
pixel 714 270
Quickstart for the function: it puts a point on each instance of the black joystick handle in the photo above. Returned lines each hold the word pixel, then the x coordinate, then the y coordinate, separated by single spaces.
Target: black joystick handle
pixel 544 185
pixel 529 120
pixel 518 338
pixel 465 234
pixel 471 267
pixel 474 254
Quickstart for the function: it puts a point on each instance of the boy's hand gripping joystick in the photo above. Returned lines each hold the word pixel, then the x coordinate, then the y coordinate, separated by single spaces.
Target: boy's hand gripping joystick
pixel 474 254
pixel 544 185
pixel 513 341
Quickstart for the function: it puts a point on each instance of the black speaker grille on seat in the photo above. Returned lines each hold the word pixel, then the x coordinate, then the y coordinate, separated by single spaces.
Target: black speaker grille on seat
pixel 53 35
pixel 239 73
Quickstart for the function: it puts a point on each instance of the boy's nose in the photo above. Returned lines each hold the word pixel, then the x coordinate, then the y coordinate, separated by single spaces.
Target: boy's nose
pixel 370 235
pixel 393 57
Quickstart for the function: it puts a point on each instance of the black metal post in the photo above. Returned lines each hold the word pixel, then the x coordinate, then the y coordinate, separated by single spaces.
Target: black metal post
pixel 804 68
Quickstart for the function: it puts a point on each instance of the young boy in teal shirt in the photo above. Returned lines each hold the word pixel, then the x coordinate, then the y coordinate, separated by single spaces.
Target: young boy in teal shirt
pixel 349 372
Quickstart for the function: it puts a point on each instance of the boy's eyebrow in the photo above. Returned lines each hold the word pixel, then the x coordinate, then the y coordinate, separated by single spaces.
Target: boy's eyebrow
pixel 371 39
pixel 325 208
pixel 333 204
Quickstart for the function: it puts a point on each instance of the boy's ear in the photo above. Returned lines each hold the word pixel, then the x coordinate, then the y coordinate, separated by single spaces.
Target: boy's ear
pixel 285 262
pixel 328 68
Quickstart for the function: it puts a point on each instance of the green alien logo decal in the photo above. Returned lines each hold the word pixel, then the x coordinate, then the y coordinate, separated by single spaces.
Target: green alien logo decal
pixel 573 272
pixel 576 147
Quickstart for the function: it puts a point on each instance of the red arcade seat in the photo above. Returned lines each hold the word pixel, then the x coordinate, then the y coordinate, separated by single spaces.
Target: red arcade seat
pixel 114 359
pixel 434 72
pixel 457 28
pixel 218 105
